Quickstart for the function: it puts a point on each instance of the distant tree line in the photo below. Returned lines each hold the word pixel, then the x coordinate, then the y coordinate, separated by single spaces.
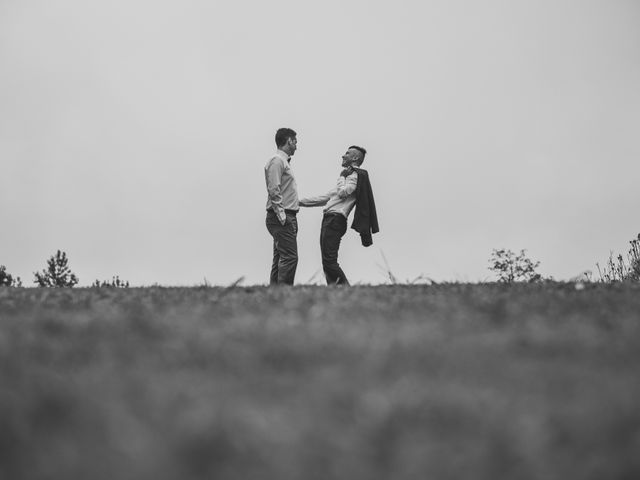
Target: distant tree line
pixel 57 274
pixel 508 267
pixel 621 269
pixel 7 280
pixel 511 267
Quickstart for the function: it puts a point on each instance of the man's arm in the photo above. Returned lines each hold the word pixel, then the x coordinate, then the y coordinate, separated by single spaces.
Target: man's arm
pixel 346 186
pixel 273 177
pixel 318 201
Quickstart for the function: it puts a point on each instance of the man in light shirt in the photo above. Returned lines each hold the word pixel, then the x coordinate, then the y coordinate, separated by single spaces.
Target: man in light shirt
pixel 282 208
pixel 338 203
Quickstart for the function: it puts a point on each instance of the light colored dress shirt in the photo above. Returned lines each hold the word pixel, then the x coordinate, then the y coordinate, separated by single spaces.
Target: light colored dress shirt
pixel 340 199
pixel 282 190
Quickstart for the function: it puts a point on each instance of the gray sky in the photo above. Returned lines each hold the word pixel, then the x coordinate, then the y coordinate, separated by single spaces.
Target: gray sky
pixel 133 134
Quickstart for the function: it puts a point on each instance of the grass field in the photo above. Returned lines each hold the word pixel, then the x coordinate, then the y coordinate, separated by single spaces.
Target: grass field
pixel 532 381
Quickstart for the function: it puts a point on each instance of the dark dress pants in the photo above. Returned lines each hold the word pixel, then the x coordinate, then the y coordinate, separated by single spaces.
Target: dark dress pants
pixel 285 248
pixel 334 226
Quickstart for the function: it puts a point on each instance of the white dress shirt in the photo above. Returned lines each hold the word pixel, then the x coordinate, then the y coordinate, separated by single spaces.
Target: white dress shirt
pixel 282 191
pixel 340 199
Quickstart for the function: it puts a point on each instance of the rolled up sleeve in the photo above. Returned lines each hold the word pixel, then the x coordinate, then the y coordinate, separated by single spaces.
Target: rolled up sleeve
pixel 346 186
pixel 318 201
pixel 273 176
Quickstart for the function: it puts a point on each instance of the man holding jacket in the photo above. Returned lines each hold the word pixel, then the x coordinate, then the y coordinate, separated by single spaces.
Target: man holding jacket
pixel 352 189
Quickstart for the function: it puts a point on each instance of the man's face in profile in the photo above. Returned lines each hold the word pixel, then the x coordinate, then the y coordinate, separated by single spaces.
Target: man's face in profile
pixel 351 157
pixel 293 144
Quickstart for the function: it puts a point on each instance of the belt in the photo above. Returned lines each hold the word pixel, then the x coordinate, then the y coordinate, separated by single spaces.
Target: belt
pixel 331 214
pixel 286 210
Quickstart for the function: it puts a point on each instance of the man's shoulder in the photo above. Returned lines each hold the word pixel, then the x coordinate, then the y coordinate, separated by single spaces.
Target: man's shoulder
pixel 351 178
pixel 362 173
pixel 274 159
pixel 348 176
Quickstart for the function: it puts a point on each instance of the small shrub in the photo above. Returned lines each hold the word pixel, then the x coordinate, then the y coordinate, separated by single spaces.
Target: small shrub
pixel 617 269
pixel 57 273
pixel 510 267
pixel 114 283
pixel 7 280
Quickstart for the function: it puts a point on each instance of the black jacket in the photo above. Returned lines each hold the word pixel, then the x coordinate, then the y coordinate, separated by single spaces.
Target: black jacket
pixel 365 219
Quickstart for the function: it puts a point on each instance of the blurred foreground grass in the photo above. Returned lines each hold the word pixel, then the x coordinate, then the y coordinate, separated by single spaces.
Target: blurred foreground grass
pixel 389 382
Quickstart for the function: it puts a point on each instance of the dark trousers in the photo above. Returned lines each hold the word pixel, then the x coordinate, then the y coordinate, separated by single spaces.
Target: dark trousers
pixel 334 226
pixel 285 248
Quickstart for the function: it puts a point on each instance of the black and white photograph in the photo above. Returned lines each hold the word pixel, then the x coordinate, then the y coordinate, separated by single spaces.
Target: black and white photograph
pixel 282 240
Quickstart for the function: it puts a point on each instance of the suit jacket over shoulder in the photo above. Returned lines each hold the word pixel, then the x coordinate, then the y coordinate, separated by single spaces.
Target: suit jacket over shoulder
pixel 365 220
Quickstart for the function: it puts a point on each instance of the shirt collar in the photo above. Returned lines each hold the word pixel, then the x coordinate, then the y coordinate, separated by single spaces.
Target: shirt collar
pixel 283 155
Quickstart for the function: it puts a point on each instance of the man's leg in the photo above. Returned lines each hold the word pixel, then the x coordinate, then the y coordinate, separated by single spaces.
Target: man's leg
pixel 333 228
pixel 285 248
pixel 288 250
pixel 273 277
pixel 272 226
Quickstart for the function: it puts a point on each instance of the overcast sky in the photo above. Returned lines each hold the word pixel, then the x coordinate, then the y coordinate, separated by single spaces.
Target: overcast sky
pixel 133 134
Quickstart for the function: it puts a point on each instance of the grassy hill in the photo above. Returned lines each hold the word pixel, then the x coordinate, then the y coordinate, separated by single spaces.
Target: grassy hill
pixel 532 381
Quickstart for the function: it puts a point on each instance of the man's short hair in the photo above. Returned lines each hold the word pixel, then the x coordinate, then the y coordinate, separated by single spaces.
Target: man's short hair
pixel 362 151
pixel 282 135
